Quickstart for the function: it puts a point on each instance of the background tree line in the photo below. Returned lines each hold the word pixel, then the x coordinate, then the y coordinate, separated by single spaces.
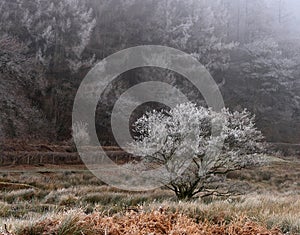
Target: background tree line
pixel 251 47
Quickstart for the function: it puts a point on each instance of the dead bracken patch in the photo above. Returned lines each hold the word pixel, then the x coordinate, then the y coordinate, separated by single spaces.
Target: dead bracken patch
pixel 156 222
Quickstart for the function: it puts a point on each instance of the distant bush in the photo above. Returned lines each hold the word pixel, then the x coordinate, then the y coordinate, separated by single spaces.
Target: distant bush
pixel 80 133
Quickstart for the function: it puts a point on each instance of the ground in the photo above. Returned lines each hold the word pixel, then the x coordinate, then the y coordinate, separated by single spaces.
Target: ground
pixel 68 199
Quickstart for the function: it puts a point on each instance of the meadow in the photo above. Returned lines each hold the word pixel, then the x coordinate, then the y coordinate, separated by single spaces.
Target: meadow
pixel 70 200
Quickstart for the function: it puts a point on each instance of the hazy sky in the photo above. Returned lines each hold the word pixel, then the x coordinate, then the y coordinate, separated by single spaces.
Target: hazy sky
pixel 294 7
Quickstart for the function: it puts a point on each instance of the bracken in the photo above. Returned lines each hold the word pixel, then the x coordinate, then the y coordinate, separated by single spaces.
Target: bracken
pixel 156 222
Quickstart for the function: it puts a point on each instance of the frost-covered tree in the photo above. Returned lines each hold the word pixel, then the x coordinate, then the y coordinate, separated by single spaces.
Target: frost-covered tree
pixel 195 27
pixel 50 38
pixel 13 59
pixel 198 146
pixel 20 80
pixel 264 79
pixel 56 31
pixel 60 30
pixel 198 28
pixel 268 73
pixel 267 65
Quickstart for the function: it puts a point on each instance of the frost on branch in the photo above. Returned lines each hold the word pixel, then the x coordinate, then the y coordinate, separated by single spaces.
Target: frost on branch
pixel 198 146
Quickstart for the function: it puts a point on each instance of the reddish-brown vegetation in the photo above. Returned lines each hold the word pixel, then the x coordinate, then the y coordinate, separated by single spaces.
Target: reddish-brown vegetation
pixel 157 222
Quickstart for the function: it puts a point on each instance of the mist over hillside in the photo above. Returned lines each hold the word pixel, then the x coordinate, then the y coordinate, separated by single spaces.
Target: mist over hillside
pixel 250 47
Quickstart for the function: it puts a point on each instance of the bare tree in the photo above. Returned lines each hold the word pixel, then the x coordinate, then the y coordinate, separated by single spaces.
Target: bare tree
pixel 198 147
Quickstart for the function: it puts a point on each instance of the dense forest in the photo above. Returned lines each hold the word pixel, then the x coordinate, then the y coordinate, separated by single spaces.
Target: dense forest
pixel 251 48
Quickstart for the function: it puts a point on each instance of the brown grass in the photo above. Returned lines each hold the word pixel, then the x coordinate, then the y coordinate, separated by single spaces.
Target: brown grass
pixel 155 222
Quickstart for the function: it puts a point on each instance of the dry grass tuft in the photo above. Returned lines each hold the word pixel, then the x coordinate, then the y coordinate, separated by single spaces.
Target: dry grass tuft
pixel 155 222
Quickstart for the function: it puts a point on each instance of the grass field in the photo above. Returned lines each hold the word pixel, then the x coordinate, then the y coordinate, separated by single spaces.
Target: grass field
pixel 70 200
